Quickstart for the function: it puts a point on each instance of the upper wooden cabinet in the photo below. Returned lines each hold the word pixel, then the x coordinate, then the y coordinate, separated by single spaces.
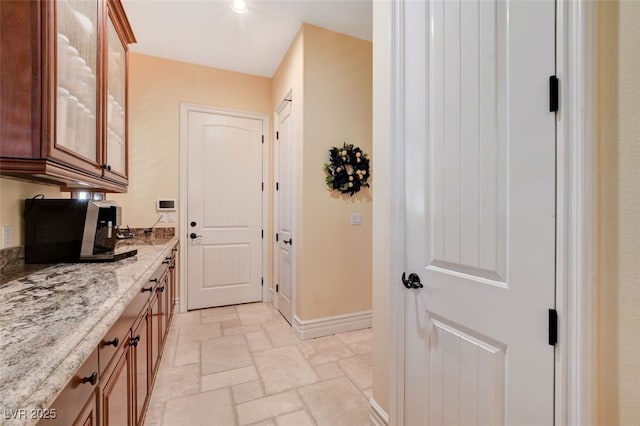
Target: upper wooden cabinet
pixel 63 92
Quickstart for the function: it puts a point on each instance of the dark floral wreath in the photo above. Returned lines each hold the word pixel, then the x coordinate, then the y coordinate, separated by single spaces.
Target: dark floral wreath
pixel 347 169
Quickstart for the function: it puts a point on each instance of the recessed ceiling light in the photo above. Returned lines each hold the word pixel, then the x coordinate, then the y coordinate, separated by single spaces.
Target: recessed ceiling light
pixel 239 6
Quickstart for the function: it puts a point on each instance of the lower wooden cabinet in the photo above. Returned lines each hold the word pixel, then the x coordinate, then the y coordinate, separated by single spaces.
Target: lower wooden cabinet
pixel 113 386
pixel 116 391
pixel 76 405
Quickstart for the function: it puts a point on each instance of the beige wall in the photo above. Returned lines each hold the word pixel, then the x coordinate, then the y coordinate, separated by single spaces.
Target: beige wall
pixel 382 195
pixel 618 382
pixel 12 195
pixel 157 86
pixel 336 266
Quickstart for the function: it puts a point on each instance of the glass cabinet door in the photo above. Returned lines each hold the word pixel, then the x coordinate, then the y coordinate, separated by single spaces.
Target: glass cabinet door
pixel 116 104
pixel 76 60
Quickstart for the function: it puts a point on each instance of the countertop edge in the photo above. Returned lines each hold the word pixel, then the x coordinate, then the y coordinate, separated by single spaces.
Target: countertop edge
pixel 52 386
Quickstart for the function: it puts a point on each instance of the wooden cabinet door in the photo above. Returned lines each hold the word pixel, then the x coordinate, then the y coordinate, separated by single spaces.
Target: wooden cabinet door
pixel 141 368
pixel 73 138
pixel 115 152
pixel 117 393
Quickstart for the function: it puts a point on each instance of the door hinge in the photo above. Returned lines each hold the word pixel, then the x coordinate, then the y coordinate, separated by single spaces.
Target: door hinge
pixel 553 327
pixel 277 135
pixel 262 234
pixel 262 138
pixel 277 288
pixel 277 186
pixel 262 186
pixel 276 236
pixel 262 282
pixel 554 93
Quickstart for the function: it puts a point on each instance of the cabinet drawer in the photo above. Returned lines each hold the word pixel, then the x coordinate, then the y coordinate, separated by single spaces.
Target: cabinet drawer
pixel 135 307
pixel 115 338
pixel 71 401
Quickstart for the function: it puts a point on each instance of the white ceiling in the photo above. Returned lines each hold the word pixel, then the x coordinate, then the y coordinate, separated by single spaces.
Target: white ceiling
pixel 208 32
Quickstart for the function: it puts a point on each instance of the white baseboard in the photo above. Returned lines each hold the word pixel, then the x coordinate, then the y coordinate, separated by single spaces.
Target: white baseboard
pixel 319 327
pixel 377 416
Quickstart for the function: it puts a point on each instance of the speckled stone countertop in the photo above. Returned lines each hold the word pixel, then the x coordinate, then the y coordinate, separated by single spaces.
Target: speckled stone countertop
pixel 51 321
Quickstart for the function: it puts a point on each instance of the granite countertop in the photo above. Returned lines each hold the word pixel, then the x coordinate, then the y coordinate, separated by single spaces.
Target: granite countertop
pixel 52 319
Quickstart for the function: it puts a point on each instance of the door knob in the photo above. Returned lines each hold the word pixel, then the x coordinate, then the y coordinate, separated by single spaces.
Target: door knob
pixel 412 282
pixel 289 241
pixel 193 236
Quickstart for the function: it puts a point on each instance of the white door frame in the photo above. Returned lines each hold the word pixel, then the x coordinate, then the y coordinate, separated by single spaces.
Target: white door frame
pixel 576 247
pixel 185 109
pixel 276 206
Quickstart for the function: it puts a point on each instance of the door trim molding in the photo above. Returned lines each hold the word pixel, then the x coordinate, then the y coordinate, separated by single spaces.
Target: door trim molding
pixel 326 326
pixel 576 188
pixel 185 109
pixel 576 243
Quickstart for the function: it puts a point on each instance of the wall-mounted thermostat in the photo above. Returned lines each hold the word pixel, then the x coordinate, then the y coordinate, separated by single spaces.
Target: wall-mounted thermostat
pixel 166 205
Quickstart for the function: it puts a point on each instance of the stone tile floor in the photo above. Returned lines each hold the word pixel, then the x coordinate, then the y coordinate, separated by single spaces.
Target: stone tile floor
pixel 242 365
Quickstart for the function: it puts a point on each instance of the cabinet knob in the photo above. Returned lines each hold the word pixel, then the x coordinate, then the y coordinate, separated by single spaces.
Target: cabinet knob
pixel 154 280
pixel 166 262
pixel 161 289
pixel 149 289
pixel 113 342
pixel 109 167
pixel 93 378
pixel 135 340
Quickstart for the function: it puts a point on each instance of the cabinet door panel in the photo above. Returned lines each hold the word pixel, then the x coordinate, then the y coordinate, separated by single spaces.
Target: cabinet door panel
pixel 76 81
pixel 141 363
pixel 116 145
pixel 154 334
pixel 116 395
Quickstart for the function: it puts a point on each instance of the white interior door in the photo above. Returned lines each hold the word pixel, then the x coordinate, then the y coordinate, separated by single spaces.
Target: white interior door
pixel 480 211
pixel 224 210
pixel 284 152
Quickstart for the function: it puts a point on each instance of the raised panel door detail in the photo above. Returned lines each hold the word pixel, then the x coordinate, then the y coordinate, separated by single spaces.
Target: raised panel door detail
pixel 468 138
pixel 225 265
pixel 466 378
pixel 77 65
pixel 227 153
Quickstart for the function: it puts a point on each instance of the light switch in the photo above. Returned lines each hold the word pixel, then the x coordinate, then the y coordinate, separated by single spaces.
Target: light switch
pixel 356 219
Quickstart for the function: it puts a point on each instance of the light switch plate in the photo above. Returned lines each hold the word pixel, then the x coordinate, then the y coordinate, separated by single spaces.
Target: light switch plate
pixel 171 217
pixel 356 219
pixel 162 217
pixel 7 236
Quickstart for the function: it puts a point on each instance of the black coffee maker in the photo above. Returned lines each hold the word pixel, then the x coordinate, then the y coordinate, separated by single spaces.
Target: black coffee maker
pixel 71 230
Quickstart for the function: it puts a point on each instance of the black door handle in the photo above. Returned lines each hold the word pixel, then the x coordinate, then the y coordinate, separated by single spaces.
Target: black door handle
pixel 193 236
pixel 289 241
pixel 412 282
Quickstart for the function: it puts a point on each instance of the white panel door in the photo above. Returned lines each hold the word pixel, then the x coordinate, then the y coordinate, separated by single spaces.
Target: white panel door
pixel 285 150
pixel 224 210
pixel 480 211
